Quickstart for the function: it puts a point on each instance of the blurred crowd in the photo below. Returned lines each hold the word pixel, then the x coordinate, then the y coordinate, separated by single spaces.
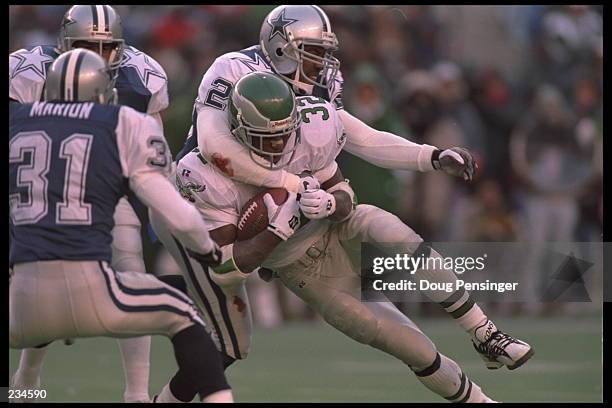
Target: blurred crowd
pixel 520 86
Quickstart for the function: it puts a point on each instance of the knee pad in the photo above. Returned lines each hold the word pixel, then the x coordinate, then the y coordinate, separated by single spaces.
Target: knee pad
pixel 348 315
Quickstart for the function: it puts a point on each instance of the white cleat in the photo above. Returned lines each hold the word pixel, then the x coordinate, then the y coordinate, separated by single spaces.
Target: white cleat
pixel 499 349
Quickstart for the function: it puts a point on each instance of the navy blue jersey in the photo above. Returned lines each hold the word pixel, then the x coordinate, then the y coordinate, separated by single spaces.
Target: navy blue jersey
pixel 141 84
pixel 68 167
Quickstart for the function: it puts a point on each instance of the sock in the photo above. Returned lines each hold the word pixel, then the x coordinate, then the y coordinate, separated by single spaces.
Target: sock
pixel 166 396
pixel 135 355
pixel 459 304
pixel 200 367
pixel 220 396
pixel 445 378
pixel 30 367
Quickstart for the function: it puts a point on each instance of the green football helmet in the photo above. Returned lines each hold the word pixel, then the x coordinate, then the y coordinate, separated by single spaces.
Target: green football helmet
pixel 262 112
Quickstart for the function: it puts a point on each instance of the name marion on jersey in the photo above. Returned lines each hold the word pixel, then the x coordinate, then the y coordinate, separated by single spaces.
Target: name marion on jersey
pixel 67 110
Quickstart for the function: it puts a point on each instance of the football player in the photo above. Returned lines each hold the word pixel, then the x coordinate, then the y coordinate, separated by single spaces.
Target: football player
pixel 69 159
pixel 141 84
pixel 303 134
pixel 297 43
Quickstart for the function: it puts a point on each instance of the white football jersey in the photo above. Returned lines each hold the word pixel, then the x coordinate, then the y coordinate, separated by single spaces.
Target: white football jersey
pixel 222 75
pixel 227 69
pixel 142 83
pixel 220 199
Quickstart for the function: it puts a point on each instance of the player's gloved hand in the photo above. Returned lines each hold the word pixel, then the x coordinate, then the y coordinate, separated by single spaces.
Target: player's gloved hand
pixel 212 258
pixel 308 183
pixel 284 219
pixel 317 204
pixel 456 161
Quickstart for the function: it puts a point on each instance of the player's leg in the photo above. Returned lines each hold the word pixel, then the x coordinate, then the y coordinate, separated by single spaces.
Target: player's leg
pixel 376 226
pixel 90 299
pixel 27 376
pixel 331 287
pixel 223 301
pixel 127 256
pixel 442 375
pixel 167 311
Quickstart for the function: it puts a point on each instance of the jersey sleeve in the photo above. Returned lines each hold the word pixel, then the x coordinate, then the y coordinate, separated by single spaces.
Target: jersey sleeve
pixel 327 138
pixel 25 84
pixel 145 160
pixel 143 150
pixel 211 193
pixel 159 90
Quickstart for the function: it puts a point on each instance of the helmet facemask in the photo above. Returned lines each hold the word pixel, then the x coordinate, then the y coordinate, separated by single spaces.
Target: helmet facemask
pixel 254 137
pixel 99 28
pixel 295 51
pixel 116 54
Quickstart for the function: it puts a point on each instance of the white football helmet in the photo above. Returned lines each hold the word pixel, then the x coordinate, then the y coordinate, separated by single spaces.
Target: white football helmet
pixel 286 31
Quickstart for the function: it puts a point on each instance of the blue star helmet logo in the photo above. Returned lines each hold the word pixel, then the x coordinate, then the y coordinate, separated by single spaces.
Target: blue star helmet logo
pixel 279 26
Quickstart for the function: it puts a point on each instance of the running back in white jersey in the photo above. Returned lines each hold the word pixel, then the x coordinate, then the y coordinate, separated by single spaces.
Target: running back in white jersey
pixel 220 199
pixel 219 79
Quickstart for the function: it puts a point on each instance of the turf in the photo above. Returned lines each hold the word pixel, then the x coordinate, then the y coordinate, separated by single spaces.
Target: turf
pixel 310 362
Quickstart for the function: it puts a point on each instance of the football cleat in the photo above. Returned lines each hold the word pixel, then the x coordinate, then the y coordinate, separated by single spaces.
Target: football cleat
pixel 500 349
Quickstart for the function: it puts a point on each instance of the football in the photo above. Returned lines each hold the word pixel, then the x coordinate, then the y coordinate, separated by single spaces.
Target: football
pixel 254 214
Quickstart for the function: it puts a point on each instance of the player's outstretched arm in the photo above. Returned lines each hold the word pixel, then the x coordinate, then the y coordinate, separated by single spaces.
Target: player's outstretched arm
pixel 384 149
pixel 182 219
pixel 390 151
pixel 146 162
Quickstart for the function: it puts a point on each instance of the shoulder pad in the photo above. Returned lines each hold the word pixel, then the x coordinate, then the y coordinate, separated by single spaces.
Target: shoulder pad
pixel 150 72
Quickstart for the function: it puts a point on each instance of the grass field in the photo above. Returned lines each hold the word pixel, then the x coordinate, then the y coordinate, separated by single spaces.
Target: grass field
pixel 314 363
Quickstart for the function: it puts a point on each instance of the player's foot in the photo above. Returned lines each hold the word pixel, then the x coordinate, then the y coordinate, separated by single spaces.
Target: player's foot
pixel 499 349
pixel 137 398
pixel 17 383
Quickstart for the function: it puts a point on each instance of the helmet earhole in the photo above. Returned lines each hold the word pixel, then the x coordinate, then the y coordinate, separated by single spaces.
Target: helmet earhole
pixel 279 52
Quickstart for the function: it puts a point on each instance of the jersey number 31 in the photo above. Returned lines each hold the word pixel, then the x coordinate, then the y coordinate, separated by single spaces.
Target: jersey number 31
pixel 75 149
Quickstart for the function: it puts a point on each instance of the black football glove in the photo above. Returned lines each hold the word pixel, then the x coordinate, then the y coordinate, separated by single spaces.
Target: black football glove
pixel 455 161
